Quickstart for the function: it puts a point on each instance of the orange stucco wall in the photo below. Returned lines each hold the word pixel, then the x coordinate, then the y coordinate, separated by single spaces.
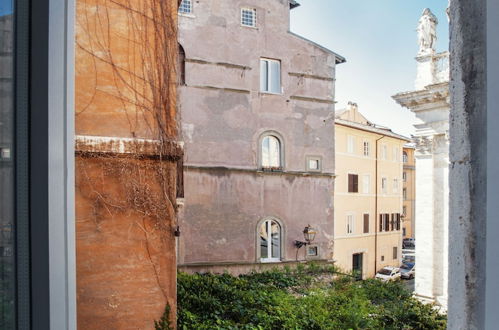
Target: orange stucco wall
pixel 125 193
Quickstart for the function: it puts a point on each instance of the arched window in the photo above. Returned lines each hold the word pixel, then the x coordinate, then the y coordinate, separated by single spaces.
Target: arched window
pixel 405 158
pixel 269 233
pixel 181 65
pixel 271 152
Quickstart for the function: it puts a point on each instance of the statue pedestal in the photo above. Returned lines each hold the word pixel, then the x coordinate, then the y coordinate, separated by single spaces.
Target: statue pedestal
pixel 426 74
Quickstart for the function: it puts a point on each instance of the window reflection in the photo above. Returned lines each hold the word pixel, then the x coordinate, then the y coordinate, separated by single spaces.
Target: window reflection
pixel 7 279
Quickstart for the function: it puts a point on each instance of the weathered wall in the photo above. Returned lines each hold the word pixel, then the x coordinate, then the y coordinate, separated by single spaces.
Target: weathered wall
pixel 224 115
pixel 125 245
pixel 126 162
pixel 468 171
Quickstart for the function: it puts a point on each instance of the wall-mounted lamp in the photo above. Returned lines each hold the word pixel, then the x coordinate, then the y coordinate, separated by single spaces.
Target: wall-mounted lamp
pixel 309 234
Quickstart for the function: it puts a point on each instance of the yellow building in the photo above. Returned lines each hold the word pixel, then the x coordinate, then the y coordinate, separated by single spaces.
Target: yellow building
pixel 408 192
pixel 368 194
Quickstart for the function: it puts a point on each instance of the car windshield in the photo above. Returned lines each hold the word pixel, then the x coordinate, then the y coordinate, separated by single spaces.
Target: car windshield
pixel 406 266
pixel 385 271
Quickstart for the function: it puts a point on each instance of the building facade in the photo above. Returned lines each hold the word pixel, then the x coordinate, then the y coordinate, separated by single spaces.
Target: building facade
pixel 367 194
pixel 430 102
pixel 409 192
pixel 257 111
pixel 126 162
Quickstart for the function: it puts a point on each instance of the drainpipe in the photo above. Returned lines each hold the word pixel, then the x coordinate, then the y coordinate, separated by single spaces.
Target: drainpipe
pixel 376 208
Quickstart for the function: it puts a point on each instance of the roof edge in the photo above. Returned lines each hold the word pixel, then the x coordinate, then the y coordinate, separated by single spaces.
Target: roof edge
pixel 339 59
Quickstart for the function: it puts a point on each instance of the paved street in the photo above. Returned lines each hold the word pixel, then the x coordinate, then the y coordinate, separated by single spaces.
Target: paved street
pixel 409 284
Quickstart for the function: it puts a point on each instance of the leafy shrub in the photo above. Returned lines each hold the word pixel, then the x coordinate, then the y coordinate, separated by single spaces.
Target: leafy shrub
pixel 293 300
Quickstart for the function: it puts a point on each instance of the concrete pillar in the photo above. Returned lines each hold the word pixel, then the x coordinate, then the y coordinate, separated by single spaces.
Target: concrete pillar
pixel 424 222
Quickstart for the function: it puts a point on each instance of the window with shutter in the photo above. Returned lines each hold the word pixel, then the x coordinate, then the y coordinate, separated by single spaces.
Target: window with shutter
pixel 381 222
pixel 366 223
pixel 392 228
pixel 353 183
pixel 387 222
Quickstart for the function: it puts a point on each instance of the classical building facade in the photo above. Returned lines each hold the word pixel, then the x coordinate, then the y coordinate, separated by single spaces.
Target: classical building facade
pixel 409 192
pixel 367 195
pixel 257 109
pixel 430 103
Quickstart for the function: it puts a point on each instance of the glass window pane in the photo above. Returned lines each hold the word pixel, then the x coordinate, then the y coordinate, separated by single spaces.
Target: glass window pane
pixel 275 77
pixel 274 152
pixel 276 240
pixel 263 240
pixel 264 84
pixel 266 152
pixel 7 252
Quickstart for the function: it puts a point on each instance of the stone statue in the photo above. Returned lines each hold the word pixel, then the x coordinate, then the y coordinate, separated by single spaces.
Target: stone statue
pixel 427 32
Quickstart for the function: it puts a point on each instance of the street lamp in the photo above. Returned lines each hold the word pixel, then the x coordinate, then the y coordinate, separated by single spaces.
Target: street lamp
pixel 309 234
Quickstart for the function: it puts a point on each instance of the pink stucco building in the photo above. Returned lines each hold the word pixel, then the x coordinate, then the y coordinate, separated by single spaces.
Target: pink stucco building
pixel 257 107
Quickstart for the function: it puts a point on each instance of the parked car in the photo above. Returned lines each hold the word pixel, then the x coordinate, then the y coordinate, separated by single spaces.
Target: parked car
pixel 408 270
pixel 408 256
pixel 408 243
pixel 388 274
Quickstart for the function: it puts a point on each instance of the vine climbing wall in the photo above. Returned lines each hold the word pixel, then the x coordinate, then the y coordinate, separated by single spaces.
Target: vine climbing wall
pixel 126 162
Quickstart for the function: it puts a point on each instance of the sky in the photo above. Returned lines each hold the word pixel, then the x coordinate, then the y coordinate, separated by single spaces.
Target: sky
pixel 379 41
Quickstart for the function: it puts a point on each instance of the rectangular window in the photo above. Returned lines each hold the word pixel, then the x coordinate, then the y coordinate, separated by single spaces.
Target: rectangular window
pixel 387 222
pixel 313 164
pixel 384 185
pixel 381 217
pixel 353 183
pixel 404 176
pixel 392 227
pixel 404 232
pixel 248 17
pixel 398 219
pixel 395 252
pixel 366 148
pixel 404 193
pixel 384 152
pixel 395 186
pixel 395 154
pixel 350 223
pixel 404 210
pixel 185 7
pixel 351 144
pixel 366 184
pixel 312 251
pixel 366 223
pixel 270 76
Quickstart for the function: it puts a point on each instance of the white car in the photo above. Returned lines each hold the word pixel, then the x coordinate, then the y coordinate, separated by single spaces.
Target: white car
pixel 388 274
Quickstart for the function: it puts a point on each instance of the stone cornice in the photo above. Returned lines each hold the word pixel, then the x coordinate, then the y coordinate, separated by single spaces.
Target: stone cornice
pixel 432 97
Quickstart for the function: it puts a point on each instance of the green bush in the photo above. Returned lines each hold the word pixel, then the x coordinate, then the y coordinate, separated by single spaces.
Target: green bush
pixel 295 300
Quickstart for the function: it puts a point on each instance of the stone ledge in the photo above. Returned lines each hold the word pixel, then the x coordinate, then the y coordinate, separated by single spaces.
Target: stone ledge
pixel 126 147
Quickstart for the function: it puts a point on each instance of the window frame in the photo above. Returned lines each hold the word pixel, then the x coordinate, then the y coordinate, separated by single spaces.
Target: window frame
pixel 351 143
pixel 354 184
pixel 313 158
pixel 270 76
pixel 191 8
pixel 368 182
pixel 368 223
pixel 395 186
pixel 350 224
pixel 384 185
pixel 280 139
pixel 269 247
pixel 366 148
pixel 254 20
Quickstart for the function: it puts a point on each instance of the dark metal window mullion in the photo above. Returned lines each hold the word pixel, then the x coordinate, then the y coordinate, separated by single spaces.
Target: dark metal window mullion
pixel 21 150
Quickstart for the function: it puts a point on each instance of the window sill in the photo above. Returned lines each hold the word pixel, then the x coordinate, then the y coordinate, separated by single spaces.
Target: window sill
pixel 186 15
pixel 272 169
pixel 249 26
pixel 270 93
